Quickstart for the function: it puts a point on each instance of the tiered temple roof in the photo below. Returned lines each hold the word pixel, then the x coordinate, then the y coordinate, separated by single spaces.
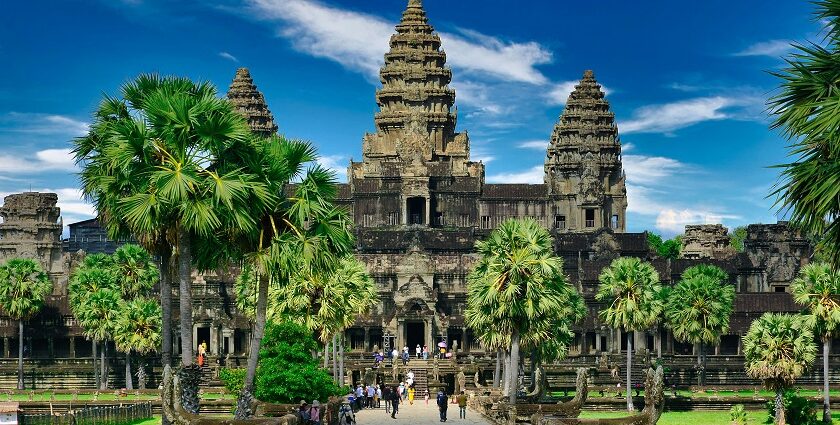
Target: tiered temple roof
pixel 416 117
pixel 251 103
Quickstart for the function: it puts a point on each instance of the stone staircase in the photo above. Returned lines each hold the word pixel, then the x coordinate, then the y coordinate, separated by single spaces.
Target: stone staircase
pixel 421 382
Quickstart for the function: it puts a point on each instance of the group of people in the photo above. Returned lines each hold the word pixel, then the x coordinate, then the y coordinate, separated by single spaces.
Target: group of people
pixel 310 414
pixel 371 396
pixel 443 405
pixel 404 355
pixel 367 396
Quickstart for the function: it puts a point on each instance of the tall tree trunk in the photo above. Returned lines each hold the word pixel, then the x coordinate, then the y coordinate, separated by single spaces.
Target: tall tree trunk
pixel 20 354
pixel 700 364
pixel 243 404
pixel 103 367
pixel 514 366
pixel 506 374
pixel 780 407
pixel 185 295
pixel 128 384
pixel 497 373
pixel 326 355
pixel 141 375
pixel 826 400
pixel 95 369
pixel 335 358
pixel 703 364
pixel 629 370
pixel 166 307
pixel 341 358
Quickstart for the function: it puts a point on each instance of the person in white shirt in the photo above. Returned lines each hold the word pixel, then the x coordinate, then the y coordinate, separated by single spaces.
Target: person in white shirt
pixel 418 351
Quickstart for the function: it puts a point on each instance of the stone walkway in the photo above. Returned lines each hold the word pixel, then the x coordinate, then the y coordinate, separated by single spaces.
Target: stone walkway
pixel 418 414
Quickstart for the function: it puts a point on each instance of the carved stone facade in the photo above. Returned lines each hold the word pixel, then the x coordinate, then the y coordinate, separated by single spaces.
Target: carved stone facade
pixel 31 228
pixel 250 102
pixel 706 241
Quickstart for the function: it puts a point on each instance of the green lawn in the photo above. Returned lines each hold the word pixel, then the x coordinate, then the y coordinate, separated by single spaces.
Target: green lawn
pixel 697 418
pixel 707 393
pixel 105 396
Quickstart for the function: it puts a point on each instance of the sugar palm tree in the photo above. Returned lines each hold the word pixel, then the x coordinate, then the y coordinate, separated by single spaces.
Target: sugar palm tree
pixel 630 288
pixel 517 284
pixel 97 315
pixel 778 348
pixel 23 288
pixel 94 273
pixel 167 163
pixel 698 309
pixel 804 109
pixel 136 275
pixel 818 289
pixel 137 330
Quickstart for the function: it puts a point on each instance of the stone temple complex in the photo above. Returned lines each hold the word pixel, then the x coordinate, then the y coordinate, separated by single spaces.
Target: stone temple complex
pixel 419 204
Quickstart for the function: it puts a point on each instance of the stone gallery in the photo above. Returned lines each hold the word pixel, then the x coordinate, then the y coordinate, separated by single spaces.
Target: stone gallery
pixel 419 204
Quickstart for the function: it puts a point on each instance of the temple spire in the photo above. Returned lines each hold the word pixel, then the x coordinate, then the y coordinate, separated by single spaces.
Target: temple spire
pixel 250 102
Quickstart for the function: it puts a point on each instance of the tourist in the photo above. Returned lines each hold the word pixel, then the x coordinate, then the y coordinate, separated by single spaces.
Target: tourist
pixel 201 354
pixel 386 395
pixel 442 402
pixel 425 352
pixel 411 395
pixel 418 351
pixel 371 391
pixel 394 354
pixel 315 413
pixel 426 396
pixel 409 378
pixel 395 405
pixel 303 411
pixel 405 357
pixel 401 390
pixel 351 399
pixel 462 405
pixel 360 397
pixel 377 397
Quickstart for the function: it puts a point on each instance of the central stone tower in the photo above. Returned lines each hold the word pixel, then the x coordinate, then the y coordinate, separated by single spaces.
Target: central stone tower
pixel 411 163
pixel 583 171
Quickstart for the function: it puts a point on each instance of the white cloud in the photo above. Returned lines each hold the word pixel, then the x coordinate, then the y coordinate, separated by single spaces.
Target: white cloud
pixel 559 93
pixel 228 56
pixel 772 48
pixel 674 221
pixel 361 41
pixel 668 117
pixel 627 147
pixel 477 95
pixel 533 175
pixel 42 124
pixel 642 169
pixel 44 160
pixel 337 164
pixel 539 145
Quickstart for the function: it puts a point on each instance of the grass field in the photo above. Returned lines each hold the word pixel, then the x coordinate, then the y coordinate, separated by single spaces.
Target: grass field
pixel 709 393
pixel 105 396
pixel 696 418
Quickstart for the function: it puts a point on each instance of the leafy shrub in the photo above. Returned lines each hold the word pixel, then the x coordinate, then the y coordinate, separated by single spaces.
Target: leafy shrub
pixel 233 379
pixel 738 415
pixel 798 410
pixel 287 372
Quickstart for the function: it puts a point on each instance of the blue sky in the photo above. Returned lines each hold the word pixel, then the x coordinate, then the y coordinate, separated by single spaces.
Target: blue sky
pixel 688 82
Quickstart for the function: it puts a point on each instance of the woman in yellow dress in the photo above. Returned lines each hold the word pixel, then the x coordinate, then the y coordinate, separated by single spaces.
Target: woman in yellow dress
pixel 411 395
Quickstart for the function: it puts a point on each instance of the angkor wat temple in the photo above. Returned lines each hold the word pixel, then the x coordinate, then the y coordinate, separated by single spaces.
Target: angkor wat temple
pixel 419 204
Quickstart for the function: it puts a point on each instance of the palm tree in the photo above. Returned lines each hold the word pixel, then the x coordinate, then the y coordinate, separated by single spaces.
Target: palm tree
pixel 698 309
pixel 630 288
pixel 818 289
pixel 23 287
pixel 166 163
pixel 97 315
pixel 779 348
pixel 136 275
pixel 94 273
pixel 517 284
pixel 804 108
pixel 138 330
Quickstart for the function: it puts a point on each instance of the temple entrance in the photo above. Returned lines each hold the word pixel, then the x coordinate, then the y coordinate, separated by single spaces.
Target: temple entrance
pixel 203 335
pixel 416 210
pixel 415 333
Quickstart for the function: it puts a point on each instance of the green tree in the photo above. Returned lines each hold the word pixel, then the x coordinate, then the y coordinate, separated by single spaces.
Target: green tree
pixel 698 309
pixel 808 191
pixel 136 275
pixel 631 290
pixel 818 289
pixel 169 163
pixel 736 238
pixel 518 285
pixel 137 330
pixel 97 315
pixel 93 274
pixel 778 348
pixel 670 248
pixel 23 288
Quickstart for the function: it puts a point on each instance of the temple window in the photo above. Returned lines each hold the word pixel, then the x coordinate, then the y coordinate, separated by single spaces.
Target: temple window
pixel 560 222
pixel 485 222
pixel 590 217
pixel 614 221
pixel 416 208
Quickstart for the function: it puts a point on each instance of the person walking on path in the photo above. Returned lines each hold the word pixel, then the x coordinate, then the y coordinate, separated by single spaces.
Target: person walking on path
pixel 426 396
pixel 462 405
pixel 395 406
pixel 442 402
pixel 405 357
pixel 386 395
pixel 411 395
pixel 371 391
pixel 315 413
pixel 377 398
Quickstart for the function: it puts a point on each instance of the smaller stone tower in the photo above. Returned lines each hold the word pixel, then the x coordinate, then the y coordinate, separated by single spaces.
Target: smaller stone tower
pixel 31 228
pixel 250 102
pixel 583 170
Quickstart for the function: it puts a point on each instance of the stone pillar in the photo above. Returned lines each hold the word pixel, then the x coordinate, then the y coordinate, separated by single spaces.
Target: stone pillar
pixel 213 344
pixel 657 342
pixel 367 339
pixel 51 347
pixel 430 342
pixel 400 335
pixel 598 347
pixel 639 341
pixel 72 347
pixel 739 346
pixel 6 347
pixel 195 337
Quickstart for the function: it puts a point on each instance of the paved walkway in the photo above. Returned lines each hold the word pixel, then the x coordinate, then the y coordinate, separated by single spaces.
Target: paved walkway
pixel 418 414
